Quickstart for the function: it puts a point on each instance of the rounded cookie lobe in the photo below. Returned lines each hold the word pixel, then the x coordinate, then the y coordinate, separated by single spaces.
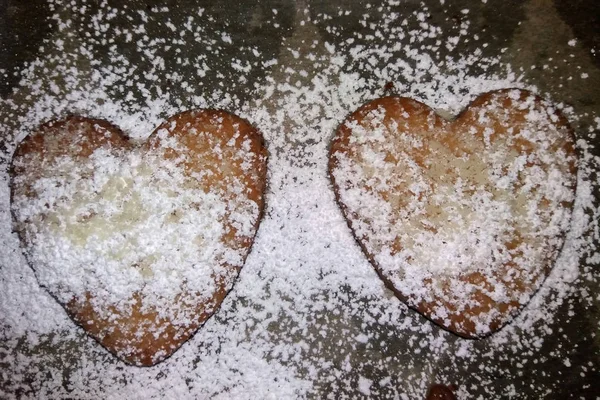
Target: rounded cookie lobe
pixel 151 237
pixel 74 138
pixel 462 219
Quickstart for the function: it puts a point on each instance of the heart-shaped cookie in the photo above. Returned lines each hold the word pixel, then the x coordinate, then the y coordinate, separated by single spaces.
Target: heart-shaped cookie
pixel 462 219
pixel 139 243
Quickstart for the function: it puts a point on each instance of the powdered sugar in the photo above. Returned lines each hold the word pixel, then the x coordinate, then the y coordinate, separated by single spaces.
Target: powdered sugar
pixel 458 215
pixel 148 222
pixel 142 234
pixel 306 291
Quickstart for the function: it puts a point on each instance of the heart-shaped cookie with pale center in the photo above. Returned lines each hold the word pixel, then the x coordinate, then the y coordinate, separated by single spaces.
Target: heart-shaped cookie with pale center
pixel 462 219
pixel 139 243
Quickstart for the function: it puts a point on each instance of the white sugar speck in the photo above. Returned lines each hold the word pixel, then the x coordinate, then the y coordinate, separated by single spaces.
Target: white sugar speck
pixel 364 385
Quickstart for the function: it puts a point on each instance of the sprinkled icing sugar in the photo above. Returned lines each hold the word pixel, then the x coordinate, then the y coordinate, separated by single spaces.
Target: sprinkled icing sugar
pixel 121 222
pixel 463 218
pixel 308 316
pixel 155 235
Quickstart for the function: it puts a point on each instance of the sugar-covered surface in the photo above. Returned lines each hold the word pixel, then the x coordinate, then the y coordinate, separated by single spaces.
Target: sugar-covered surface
pixel 462 218
pixel 136 240
pixel 308 316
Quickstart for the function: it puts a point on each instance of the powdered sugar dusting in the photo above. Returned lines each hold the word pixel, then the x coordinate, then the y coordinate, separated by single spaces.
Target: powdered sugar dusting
pixel 132 204
pixel 308 316
pixel 463 215
pixel 149 234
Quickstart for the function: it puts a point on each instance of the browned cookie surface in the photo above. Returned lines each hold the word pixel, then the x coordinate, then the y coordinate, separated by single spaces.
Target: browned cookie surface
pixel 139 243
pixel 462 219
pixel 440 392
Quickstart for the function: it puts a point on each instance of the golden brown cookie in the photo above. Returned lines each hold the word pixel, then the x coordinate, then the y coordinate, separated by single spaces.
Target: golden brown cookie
pixel 140 244
pixel 462 219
